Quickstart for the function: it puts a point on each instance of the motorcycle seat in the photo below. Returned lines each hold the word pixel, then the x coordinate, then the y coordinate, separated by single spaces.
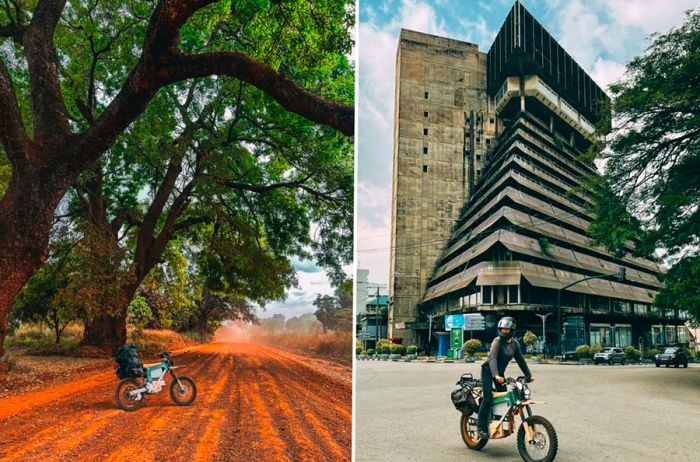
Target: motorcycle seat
pixel 498 394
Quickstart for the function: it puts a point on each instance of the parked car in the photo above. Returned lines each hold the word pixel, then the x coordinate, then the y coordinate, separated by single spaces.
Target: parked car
pixel 675 356
pixel 569 356
pixel 610 355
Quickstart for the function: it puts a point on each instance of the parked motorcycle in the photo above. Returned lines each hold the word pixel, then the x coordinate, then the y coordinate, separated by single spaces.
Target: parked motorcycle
pixel 131 391
pixel 537 439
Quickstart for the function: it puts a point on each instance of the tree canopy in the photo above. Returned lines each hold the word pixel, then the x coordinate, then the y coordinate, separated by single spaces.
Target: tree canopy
pixel 651 188
pixel 213 125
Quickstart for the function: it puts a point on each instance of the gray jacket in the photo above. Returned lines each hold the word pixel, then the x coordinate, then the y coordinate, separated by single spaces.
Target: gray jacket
pixel 502 353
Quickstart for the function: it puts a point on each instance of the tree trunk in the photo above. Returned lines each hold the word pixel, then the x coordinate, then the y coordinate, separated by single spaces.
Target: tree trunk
pixel 106 331
pixel 26 215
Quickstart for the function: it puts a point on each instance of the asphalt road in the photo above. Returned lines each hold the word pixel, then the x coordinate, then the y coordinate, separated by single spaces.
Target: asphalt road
pixel 616 413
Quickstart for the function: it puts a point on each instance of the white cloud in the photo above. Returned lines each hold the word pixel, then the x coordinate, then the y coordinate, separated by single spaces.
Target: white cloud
pixel 649 15
pixel 606 72
pixel 300 300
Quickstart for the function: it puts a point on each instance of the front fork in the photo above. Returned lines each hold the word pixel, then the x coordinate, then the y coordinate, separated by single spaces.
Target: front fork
pixel 523 411
pixel 172 373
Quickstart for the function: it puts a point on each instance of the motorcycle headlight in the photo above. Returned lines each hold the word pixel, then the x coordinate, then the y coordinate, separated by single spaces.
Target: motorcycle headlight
pixel 526 393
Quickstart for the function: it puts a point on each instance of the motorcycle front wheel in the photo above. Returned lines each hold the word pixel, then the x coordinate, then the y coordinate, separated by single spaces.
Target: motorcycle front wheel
pixel 544 444
pixel 469 433
pixel 123 395
pixel 185 394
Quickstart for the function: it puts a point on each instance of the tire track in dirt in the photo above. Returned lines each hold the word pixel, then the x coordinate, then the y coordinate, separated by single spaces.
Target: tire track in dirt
pixel 249 406
pixel 61 439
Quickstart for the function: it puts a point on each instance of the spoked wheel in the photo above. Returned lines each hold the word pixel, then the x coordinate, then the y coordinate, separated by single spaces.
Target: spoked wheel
pixel 126 400
pixel 544 444
pixel 184 393
pixel 469 434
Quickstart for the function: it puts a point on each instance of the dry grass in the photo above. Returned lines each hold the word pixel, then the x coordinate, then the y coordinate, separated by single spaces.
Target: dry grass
pixel 336 346
pixel 150 342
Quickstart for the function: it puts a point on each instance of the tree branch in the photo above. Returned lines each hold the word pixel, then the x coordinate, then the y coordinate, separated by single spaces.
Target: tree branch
pixel 13 134
pixel 49 112
pixel 287 93
pixel 162 64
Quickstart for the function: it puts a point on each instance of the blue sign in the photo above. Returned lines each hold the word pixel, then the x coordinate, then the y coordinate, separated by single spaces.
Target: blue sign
pixel 454 321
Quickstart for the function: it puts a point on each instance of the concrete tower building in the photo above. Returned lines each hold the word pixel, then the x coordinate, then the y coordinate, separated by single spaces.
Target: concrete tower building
pixel 442 128
pixel 504 236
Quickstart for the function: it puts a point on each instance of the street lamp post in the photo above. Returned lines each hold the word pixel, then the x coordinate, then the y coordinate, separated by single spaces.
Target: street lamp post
pixel 544 337
pixel 621 276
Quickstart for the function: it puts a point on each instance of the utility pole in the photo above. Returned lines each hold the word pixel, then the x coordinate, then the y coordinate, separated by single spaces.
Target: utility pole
pixel 430 330
pixel 376 319
pixel 544 337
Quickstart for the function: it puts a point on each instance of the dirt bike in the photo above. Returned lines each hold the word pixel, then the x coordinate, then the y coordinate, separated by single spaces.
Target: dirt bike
pixel 131 392
pixel 537 440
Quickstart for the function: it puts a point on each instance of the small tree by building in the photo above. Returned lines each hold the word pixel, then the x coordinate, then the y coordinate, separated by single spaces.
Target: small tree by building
pixel 530 340
pixel 472 346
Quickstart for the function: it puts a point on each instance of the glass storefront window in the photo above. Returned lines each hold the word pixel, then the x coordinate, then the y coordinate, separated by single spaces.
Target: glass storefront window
pixel 623 336
pixel 670 334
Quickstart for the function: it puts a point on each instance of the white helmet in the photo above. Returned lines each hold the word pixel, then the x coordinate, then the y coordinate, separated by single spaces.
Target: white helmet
pixel 507 323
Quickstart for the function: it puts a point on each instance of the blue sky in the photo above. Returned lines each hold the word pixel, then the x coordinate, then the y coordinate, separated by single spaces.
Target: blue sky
pixel 602 35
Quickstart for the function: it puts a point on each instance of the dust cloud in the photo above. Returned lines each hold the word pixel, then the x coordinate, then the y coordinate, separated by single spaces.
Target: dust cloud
pixel 235 332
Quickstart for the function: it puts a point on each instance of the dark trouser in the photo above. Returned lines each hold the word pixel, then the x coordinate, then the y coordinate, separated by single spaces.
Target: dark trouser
pixel 488 387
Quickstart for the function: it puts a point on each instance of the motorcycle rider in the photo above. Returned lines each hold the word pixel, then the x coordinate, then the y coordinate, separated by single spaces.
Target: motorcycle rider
pixel 503 350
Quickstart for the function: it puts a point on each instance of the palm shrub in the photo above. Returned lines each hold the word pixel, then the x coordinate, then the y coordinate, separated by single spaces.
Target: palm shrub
pixel 370 351
pixel 358 350
pixel 595 348
pixel 412 349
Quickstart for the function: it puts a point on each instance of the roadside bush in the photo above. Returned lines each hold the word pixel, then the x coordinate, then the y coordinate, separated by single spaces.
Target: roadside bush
pixel 472 346
pixel 412 349
pixel 583 351
pixel 370 351
pixel 363 353
pixel 384 346
pixel 652 352
pixel 397 349
pixel 358 350
pixel 632 353
pixel 595 348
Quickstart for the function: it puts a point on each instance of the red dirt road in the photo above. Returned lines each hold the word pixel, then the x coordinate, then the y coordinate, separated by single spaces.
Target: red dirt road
pixel 253 403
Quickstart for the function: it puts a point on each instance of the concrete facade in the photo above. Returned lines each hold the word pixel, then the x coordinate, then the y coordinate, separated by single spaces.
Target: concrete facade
pixel 442 129
pixel 491 209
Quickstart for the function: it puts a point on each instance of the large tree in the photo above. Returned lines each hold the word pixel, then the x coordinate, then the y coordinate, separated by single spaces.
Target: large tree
pixel 651 187
pixel 119 56
pixel 238 167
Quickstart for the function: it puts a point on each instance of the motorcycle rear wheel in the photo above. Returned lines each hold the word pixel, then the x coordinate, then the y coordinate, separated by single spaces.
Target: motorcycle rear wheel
pixel 124 401
pixel 545 442
pixel 185 395
pixel 469 434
